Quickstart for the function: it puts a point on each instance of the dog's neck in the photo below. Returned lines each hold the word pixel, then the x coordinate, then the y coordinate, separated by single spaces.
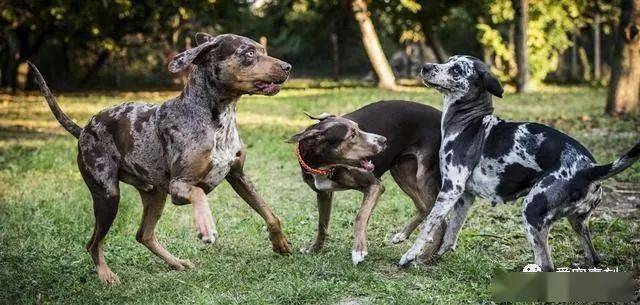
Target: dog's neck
pixel 201 89
pixel 311 157
pixel 460 111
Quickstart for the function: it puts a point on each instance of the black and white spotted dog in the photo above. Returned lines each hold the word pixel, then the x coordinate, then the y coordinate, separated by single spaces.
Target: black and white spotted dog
pixel 482 155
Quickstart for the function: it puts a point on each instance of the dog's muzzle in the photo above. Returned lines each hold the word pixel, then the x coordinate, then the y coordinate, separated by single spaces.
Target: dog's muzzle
pixel 427 69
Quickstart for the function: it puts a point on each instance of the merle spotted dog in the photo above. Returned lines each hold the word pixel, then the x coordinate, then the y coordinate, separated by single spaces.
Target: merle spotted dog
pixel 352 152
pixel 184 147
pixel 482 155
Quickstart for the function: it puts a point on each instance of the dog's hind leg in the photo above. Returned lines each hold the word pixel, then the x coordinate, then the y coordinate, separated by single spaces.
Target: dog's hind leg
pixel 579 224
pixel 460 212
pixel 421 185
pixel 539 240
pixel 536 217
pixel 102 179
pixel 153 203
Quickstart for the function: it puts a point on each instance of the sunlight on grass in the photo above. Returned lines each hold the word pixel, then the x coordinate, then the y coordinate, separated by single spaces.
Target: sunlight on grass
pixel 46 213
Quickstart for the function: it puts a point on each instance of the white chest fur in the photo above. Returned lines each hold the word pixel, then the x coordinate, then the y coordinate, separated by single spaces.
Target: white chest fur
pixel 323 183
pixel 226 144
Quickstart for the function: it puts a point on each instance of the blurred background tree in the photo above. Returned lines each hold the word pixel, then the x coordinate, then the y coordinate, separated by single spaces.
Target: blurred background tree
pixel 126 44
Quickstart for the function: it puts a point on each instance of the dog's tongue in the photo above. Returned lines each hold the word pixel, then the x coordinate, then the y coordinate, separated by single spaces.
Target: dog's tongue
pixel 367 165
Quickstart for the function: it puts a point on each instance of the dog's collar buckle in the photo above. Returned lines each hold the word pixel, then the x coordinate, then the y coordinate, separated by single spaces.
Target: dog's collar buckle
pixel 310 170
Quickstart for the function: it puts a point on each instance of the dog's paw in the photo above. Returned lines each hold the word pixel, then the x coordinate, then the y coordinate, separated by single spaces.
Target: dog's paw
pixel 181 264
pixel 311 249
pixel 444 250
pixel 280 243
pixel 398 238
pixel 205 224
pixel 408 258
pixel 358 257
pixel 107 276
pixel 209 238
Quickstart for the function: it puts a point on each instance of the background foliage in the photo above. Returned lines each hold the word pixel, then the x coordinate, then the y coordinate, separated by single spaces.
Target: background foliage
pixel 123 43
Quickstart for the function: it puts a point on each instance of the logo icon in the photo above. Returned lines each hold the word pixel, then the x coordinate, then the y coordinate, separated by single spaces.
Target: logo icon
pixel 532 268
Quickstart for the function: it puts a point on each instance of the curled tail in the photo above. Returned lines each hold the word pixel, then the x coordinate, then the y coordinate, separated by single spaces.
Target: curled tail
pixel 62 117
pixel 601 172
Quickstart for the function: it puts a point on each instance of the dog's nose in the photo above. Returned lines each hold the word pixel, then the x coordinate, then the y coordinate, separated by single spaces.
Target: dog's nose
pixel 382 141
pixel 427 68
pixel 285 66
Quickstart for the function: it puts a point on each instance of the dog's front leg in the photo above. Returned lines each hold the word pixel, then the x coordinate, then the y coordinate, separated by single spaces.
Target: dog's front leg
pixel 183 192
pixel 371 195
pixel 460 212
pixel 324 199
pixel 243 186
pixel 444 203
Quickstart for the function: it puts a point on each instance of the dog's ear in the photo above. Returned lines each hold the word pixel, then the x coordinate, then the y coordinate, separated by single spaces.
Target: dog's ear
pixel 492 84
pixel 183 60
pixel 320 117
pixel 203 38
pixel 305 135
pixel 490 81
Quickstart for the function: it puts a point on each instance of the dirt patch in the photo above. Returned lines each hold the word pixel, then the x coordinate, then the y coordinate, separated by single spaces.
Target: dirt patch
pixel 620 200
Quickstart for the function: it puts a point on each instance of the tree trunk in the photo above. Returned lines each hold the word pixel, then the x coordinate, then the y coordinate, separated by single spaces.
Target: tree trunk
pixel 437 47
pixel 22 72
pixel 597 53
pixel 371 43
pixel 335 56
pixel 264 41
pixel 574 57
pixel 624 90
pixel 521 8
pixel 584 61
pixel 101 59
pixel 431 38
pixel 24 51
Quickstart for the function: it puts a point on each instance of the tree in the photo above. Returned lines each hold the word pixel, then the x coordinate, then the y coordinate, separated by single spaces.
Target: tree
pixel 624 90
pixel 371 43
pixel 98 31
pixel 549 25
pixel 430 16
pixel 521 8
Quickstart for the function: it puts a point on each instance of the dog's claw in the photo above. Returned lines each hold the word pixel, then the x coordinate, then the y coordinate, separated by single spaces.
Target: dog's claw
pixel 358 257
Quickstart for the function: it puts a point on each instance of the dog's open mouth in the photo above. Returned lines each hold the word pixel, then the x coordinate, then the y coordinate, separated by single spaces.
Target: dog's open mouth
pixel 367 165
pixel 433 85
pixel 363 164
pixel 269 88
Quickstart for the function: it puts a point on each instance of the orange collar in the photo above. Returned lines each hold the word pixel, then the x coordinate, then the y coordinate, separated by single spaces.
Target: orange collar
pixel 309 169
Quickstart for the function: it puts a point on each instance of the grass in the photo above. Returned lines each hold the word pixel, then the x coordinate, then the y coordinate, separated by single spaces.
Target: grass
pixel 46 214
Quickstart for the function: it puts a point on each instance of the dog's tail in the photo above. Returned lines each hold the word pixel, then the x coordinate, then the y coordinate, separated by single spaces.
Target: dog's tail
pixel 62 117
pixel 601 172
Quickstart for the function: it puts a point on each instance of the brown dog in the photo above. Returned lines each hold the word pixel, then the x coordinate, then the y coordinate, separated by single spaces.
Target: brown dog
pixel 351 152
pixel 184 147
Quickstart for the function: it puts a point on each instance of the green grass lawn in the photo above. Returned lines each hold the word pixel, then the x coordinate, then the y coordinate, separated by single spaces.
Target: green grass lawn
pixel 46 214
